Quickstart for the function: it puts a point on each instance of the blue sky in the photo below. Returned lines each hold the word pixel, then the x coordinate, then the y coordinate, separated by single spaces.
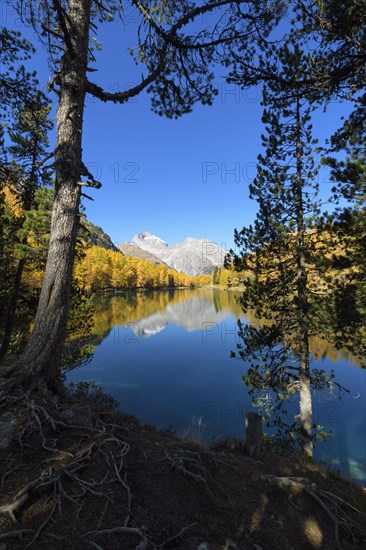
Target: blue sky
pixel 174 178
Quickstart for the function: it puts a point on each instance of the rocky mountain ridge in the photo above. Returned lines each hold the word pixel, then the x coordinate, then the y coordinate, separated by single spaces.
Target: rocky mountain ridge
pixel 192 256
pixel 132 250
pixel 95 235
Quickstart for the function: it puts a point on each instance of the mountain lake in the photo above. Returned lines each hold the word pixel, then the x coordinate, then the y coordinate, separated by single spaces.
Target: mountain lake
pixel 165 356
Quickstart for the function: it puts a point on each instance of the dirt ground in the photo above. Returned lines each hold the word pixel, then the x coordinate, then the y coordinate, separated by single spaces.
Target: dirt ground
pixel 75 476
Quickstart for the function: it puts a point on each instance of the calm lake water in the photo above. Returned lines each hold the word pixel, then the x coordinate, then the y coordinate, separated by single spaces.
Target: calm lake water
pixel 164 355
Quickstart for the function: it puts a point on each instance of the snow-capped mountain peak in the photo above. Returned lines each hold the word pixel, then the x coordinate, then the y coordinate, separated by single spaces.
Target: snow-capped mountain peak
pixel 149 241
pixel 192 256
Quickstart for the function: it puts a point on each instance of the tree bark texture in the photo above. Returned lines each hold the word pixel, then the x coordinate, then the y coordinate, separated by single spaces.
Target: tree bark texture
pixel 43 352
pixel 306 419
pixel 253 439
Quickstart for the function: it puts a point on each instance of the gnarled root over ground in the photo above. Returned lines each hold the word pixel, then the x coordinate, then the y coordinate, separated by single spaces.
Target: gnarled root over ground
pixel 76 475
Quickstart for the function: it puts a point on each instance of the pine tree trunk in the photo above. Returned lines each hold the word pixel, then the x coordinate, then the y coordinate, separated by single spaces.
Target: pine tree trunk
pixel 306 412
pixel 44 350
pixel 306 418
pixel 31 186
pixel 253 440
pixel 11 310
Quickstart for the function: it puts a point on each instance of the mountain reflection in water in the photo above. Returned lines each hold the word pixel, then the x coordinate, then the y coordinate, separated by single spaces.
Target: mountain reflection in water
pixel 192 314
pixel 165 356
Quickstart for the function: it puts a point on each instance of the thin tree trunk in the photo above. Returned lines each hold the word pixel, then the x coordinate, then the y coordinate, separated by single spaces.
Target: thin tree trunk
pixel 44 350
pixel 28 200
pixel 306 417
pixel 10 314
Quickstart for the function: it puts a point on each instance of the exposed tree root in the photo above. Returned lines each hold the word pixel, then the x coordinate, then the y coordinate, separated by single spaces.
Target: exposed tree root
pixel 189 464
pixel 14 507
pixel 18 534
pixel 177 535
pixel 333 505
pixel 63 477
pixel 64 484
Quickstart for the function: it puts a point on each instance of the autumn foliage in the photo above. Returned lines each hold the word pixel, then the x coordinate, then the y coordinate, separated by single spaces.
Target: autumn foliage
pixel 102 269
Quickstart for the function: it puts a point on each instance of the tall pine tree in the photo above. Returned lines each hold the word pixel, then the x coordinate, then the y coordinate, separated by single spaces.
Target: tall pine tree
pixel 26 172
pixel 278 252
